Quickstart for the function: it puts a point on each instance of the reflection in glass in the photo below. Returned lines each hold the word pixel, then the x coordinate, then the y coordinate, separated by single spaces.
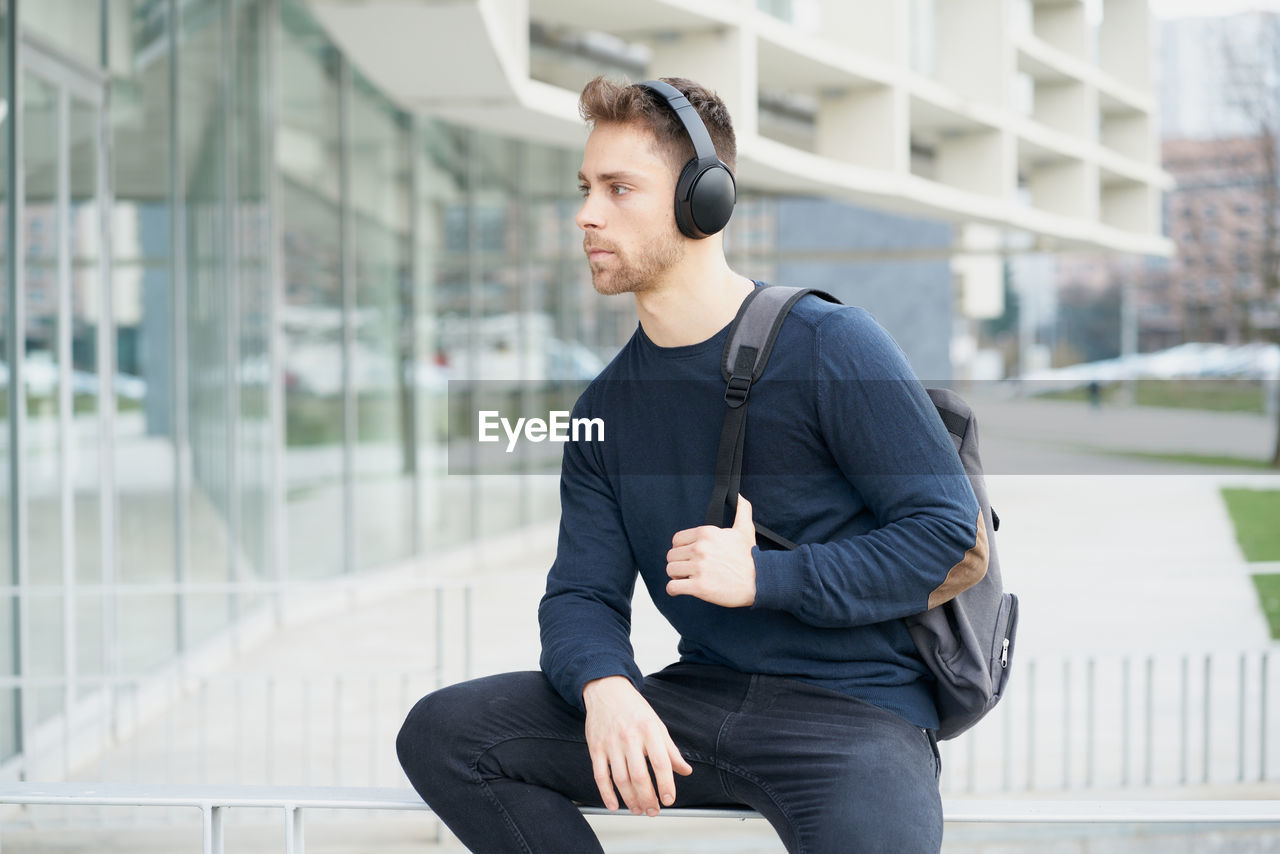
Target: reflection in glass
pixel 42 228
pixel 203 136
pixel 442 305
pixel 251 239
pixel 9 574
pixel 85 310
pixel 385 458
pixel 42 385
pixel 84 462
pixel 307 157
pixel 142 288
pixel 73 26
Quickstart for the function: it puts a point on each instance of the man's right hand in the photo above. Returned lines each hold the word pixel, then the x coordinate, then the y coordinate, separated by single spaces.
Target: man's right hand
pixel 625 737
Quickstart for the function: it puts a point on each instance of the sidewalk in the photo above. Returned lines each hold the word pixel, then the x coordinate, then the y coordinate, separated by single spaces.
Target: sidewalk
pixel 1139 559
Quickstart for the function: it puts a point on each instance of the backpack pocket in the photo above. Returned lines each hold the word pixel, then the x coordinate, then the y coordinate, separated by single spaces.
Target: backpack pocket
pixel 1002 641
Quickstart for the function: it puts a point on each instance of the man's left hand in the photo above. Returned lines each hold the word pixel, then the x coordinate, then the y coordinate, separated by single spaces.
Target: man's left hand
pixel 715 564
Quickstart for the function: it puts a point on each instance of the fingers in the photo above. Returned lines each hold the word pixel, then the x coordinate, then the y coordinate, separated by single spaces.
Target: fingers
pixel 742 522
pixel 666 784
pixel 691 535
pixel 604 782
pixel 637 786
pixel 625 771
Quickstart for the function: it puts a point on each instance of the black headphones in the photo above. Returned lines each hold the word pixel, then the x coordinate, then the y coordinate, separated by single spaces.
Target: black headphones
pixel 705 190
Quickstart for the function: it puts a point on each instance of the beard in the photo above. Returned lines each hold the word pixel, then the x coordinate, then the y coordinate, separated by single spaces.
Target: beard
pixel 635 272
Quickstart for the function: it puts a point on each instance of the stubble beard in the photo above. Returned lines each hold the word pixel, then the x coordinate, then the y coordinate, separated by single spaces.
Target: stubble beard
pixel 624 275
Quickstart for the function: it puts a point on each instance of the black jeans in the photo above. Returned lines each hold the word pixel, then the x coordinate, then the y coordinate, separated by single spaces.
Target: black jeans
pixel 503 760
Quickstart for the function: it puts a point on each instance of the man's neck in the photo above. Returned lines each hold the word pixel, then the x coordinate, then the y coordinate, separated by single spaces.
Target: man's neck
pixel 692 304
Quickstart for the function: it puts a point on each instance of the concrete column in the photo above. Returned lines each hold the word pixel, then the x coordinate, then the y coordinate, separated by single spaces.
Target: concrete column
pixel 979 272
pixel 1131 206
pixel 1130 135
pixel 1063 26
pixel 1065 106
pixel 872 28
pixel 867 127
pixel 723 60
pixel 981 161
pixel 1066 187
pixel 1124 42
pixel 975 53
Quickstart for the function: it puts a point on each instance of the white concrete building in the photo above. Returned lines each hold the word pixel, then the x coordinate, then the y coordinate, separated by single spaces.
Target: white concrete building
pixel 1002 116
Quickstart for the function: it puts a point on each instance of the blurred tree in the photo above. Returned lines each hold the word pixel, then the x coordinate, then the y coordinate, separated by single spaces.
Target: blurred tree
pixel 1251 56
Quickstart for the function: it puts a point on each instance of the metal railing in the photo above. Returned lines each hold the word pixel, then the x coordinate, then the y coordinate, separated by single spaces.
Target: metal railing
pixel 293 725
pixel 1124 720
pixel 1067 723
pixel 294 801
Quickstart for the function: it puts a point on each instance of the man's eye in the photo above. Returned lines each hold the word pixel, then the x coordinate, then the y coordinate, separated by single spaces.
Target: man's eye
pixel 583 189
pixel 619 190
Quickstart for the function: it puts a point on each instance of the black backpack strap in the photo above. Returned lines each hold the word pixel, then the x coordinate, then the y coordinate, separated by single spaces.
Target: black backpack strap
pixel 746 352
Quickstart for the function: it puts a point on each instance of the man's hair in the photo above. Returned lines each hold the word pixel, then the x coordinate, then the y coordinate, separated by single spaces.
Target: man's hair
pixel 605 101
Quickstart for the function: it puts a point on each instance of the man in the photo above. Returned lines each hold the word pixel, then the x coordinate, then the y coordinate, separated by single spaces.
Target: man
pixel 798 692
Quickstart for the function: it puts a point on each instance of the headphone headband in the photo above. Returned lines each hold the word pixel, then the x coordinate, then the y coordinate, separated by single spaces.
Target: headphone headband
pixel 704 150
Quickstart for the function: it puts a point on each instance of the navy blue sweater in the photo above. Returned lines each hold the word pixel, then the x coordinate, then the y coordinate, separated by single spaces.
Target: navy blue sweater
pixel 844 455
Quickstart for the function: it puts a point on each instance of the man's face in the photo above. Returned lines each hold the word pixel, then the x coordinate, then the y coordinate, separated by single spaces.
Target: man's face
pixel 627 214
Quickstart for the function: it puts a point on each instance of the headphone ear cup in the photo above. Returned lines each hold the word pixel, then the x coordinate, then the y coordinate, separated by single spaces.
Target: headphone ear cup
pixel 712 199
pixel 704 199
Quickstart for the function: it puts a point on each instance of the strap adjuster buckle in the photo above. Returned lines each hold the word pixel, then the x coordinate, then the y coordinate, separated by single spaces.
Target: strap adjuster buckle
pixel 735 394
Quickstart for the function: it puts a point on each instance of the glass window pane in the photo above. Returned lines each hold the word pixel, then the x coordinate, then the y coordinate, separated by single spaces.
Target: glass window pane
pixel 85 218
pixel 203 138
pixel 42 226
pixel 71 25
pixel 143 296
pixel 443 302
pixel 8 572
pixel 252 240
pixel 307 157
pixel 498 324
pixel 385 456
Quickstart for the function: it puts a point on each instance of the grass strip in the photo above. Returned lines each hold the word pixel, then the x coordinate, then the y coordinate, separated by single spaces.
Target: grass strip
pixel 1256 516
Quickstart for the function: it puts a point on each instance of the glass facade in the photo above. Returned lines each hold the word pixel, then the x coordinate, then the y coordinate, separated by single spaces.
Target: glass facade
pixel 237 280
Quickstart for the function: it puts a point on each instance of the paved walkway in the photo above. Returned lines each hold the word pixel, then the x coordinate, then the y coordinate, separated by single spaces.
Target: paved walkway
pixel 1107 554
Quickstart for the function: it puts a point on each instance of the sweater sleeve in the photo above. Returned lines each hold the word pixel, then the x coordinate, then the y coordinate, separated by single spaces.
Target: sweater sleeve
pixel 888 440
pixel 585 614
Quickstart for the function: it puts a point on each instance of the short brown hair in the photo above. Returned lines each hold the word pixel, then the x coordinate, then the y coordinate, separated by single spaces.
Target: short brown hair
pixel 605 101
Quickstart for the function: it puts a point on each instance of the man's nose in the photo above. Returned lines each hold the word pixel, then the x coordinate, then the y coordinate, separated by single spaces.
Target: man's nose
pixel 589 215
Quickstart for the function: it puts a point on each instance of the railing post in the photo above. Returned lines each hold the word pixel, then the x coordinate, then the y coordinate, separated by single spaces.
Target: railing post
pixel 1150 713
pixel 1066 723
pixel 1182 762
pixel 1031 725
pixel 1244 663
pixel 374 752
pixel 217 830
pixel 212 816
pixel 337 731
pixel 1090 735
pixel 1125 715
pixel 293 836
pixel 1262 719
pixel 1208 712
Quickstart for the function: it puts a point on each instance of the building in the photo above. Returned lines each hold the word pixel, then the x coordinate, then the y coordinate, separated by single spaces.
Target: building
pixel 1219 85
pixel 1214 288
pixel 248 244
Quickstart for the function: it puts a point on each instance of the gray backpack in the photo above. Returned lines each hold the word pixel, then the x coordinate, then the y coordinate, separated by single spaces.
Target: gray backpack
pixel 967 642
